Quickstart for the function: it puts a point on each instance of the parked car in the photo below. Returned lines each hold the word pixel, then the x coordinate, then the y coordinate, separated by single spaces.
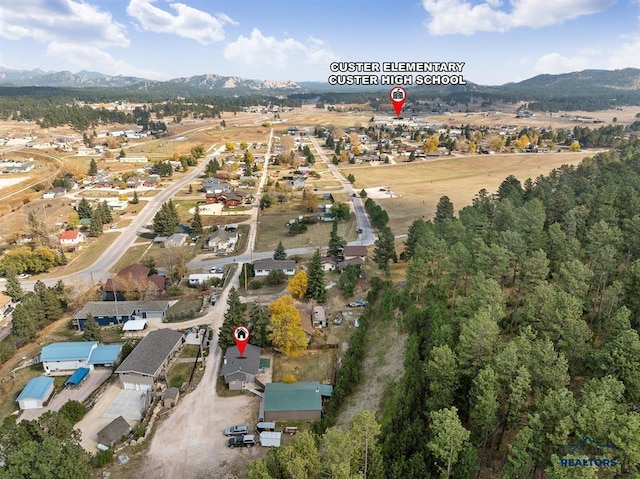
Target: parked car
pixel 8 311
pixel 358 303
pixel 237 430
pixel 113 226
pixel 246 440
pixel 218 270
pixel 214 299
pixel 23 276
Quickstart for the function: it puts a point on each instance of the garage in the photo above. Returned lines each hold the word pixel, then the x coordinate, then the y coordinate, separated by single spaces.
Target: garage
pixel 36 393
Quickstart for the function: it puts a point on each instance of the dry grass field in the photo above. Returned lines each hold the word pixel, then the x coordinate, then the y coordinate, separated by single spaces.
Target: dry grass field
pixel 420 185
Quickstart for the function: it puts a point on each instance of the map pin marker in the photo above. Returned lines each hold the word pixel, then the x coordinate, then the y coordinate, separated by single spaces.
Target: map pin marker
pixel 398 96
pixel 241 337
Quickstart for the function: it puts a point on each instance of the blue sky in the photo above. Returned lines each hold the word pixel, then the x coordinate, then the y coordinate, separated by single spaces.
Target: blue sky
pixel 499 40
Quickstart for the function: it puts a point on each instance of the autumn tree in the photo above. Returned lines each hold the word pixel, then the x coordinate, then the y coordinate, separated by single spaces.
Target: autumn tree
pixel 298 284
pixel 285 331
pixel 309 200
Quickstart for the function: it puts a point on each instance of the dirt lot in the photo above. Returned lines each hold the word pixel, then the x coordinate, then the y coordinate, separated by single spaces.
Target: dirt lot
pixel 419 185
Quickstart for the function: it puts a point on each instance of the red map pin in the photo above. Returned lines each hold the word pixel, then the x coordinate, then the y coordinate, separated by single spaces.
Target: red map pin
pixel 241 337
pixel 398 96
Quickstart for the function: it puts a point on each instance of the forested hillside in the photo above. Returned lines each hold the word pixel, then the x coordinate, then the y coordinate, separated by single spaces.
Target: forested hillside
pixel 523 316
pixel 522 313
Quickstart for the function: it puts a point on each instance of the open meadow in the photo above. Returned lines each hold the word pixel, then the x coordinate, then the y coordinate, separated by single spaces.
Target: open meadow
pixel 418 186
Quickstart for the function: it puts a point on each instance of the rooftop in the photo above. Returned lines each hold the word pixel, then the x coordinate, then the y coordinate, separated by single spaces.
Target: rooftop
pixel 105 354
pixel 37 388
pixel 271 264
pixel 123 308
pixel 233 362
pixel 75 350
pixel 150 354
pixel 304 396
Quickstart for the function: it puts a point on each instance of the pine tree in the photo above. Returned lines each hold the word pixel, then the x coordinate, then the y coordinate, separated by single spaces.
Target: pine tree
pixel 385 249
pixel 107 217
pixel 135 200
pixel 336 243
pixel 13 287
pixel 196 223
pixel 95 229
pixel 92 331
pixel 280 252
pixel 315 282
pixel 259 321
pixel 235 316
pixel 93 168
pixel 84 209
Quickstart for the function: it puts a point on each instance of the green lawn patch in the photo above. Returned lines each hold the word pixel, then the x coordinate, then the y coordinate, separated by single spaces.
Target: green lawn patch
pixel 184 309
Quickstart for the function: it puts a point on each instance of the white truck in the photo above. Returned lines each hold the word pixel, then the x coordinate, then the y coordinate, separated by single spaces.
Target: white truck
pixel 270 438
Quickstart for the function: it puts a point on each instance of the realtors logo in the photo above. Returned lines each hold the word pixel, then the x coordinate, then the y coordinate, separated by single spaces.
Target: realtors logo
pixel 594 454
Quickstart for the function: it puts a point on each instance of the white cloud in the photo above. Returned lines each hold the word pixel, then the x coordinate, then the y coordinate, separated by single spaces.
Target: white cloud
pixel 466 18
pixel 260 50
pixel 624 55
pixel 87 57
pixel 60 21
pixel 188 22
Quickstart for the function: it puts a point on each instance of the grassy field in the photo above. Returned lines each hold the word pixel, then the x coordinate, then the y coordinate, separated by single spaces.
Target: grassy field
pixel 309 366
pixel 132 255
pixel 272 229
pixel 420 185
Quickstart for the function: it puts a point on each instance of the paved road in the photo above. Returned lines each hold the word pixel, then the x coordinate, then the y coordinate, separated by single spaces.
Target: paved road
pixel 366 237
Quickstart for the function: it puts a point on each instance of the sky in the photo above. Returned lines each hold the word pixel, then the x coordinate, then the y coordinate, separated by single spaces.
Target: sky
pixel 499 41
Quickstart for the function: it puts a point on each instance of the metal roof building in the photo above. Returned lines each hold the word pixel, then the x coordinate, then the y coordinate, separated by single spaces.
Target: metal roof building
pixel 296 401
pixel 36 393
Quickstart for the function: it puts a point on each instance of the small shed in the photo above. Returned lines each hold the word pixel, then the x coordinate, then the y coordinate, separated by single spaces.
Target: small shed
pixel 318 317
pixel 36 393
pixel 114 432
pixel 170 397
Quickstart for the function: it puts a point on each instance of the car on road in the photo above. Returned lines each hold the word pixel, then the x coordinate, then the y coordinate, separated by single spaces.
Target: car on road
pixel 218 270
pixel 359 230
pixel 214 299
pixel 246 440
pixel 358 303
pixel 112 227
pixel 237 430
pixel 23 276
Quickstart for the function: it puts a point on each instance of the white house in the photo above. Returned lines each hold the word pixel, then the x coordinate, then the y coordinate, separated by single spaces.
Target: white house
pixel 263 267
pixel 71 238
pixel 65 358
pixel 221 240
pixel 117 205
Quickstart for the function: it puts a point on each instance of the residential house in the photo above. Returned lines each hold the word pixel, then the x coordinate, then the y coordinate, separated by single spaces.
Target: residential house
pixel 109 313
pixel 149 359
pixel 329 263
pixel 295 181
pixel 131 279
pixel 64 358
pixel 238 370
pixel 213 185
pixel 114 433
pixel 117 205
pixel 198 279
pixel 54 193
pixel 353 255
pixel 221 240
pixel 71 238
pixel 36 393
pixel 176 240
pixel 263 267
pixel 302 401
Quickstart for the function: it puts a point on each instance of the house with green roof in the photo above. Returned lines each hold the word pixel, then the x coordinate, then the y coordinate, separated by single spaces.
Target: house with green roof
pixel 294 402
pixel 36 393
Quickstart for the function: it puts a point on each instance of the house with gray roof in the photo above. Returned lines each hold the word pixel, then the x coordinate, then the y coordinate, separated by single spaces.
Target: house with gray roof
pixel 150 359
pixel 263 267
pixel 109 313
pixel 237 370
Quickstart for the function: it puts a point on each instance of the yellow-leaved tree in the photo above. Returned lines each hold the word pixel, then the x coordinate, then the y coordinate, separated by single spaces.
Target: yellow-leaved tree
pixel 285 331
pixel 298 284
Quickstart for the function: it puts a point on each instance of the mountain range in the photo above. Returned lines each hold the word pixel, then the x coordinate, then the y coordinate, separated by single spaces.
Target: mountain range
pixel 572 84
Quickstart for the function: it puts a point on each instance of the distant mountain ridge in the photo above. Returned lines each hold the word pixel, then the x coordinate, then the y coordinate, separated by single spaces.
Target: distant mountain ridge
pixel 570 84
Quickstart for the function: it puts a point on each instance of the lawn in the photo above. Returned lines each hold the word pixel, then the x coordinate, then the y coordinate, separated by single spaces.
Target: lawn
pixel 419 185
pixel 314 365
pixel 178 374
pixel 272 229
pixel 131 256
pixel 184 310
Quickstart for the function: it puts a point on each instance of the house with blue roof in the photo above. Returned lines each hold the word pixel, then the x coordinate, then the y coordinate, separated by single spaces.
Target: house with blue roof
pixel 65 358
pixel 36 393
